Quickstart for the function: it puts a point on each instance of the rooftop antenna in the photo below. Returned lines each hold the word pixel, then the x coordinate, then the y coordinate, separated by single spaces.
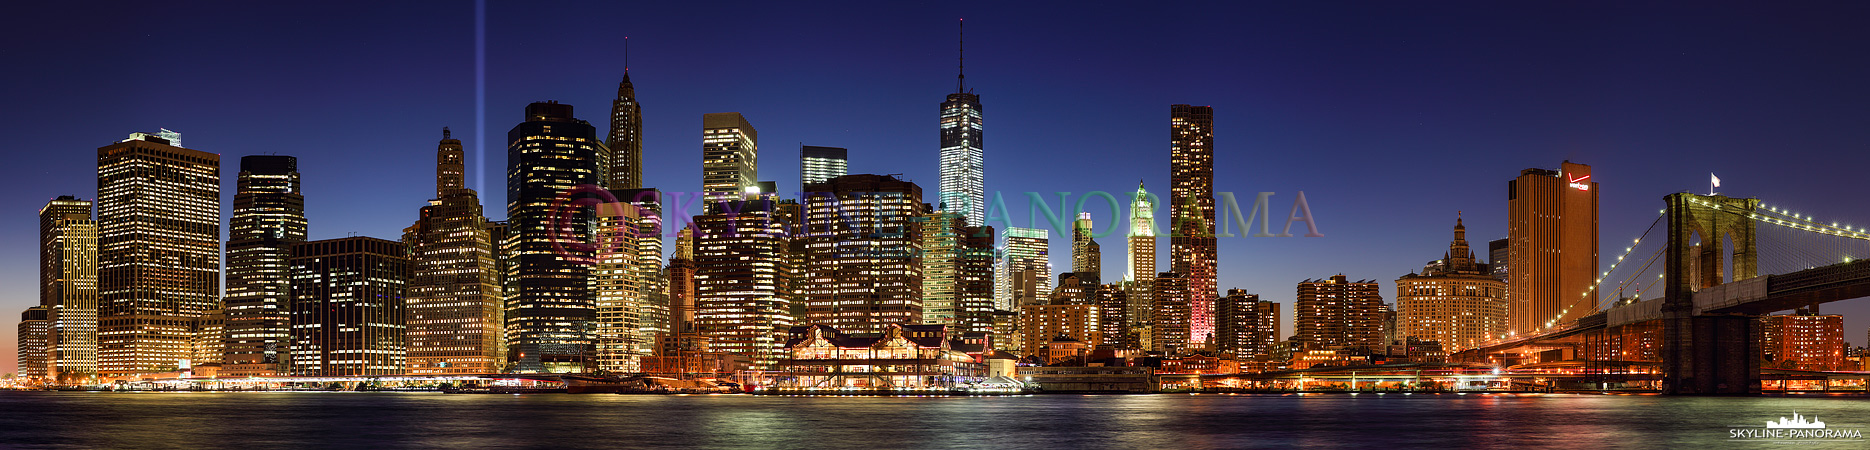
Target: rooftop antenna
pixel 961 67
pixel 626 54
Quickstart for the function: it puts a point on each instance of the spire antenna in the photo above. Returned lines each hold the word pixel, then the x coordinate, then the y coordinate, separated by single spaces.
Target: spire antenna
pixel 626 54
pixel 961 68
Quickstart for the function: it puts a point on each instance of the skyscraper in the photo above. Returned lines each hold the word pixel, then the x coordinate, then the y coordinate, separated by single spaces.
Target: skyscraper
pixel 1113 306
pixel 1191 191
pixel 550 308
pixel 348 298
pixel 1086 258
pixel 159 258
pixel 1497 251
pixel 941 236
pixel 963 179
pixel 35 328
pixel 455 307
pixel 818 164
pixel 1454 301
pixel 622 301
pixel 632 307
pixel 864 253
pixel 1025 270
pixel 626 137
pixel 1139 279
pixel 1336 313
pixel 974 283
pixel 68 286
pixel 269 217
pixel 1552 250
pixel 730 151
pixel 1245 325
pixel 741 303
pixel 1169 328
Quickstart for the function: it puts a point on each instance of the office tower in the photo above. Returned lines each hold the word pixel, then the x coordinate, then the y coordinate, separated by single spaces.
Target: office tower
pixel 617 282
pixel 740 303
pixel 730 150
pixel 269 216
pixel 863 253
pixel 1113 306
pixel 1024 270
pixel 1245 325
pixel 1191 190
pixel 626 138
pixel 1086 259
pixel 974 290
pixel 819 164
pixel 963 179
pixel 455 308
pixel 35 327
pixel 941 233
pixel 1552 252
pixel 1336 313
pixel 1497 251
pixel 1804 342
pixel 159 257
pixel 68 286
pixel 957 273
pixel 347 307
pixel 632 309
pixel 1454 301
pixel 1169 318
pixel 549 308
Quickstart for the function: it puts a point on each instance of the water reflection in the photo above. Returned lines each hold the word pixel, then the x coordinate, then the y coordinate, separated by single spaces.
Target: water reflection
pixel 407 420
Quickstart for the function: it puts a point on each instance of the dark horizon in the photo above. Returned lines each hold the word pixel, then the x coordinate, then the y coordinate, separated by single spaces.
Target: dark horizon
pixel 1391 118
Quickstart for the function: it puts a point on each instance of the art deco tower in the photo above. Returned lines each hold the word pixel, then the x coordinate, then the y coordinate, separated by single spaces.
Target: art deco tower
pixel 963 183
pixel 1191 191
pixel 159 258
pixel 626 137
pixel 1140 276
pixel 550 308
pixel 455 314
pixel 269 216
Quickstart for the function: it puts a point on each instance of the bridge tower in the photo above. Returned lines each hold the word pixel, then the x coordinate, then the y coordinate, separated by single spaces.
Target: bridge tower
pixel 1708 354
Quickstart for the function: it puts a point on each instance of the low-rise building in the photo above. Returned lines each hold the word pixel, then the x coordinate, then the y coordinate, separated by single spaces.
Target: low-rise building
pixel 899 357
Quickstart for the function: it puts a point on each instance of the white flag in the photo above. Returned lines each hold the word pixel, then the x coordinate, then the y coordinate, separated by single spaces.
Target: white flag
pixel 1716 180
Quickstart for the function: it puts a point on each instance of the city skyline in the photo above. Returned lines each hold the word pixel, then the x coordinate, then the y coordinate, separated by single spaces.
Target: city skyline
pixel 366 185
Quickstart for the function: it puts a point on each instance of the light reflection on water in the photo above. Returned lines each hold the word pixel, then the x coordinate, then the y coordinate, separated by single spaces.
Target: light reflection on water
pixel 409 420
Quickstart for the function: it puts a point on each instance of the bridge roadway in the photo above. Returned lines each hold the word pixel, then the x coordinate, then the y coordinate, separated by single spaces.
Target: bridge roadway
pixel 1753 297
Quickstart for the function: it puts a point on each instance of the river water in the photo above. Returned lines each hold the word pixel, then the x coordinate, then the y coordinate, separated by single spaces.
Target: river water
pixel 265 420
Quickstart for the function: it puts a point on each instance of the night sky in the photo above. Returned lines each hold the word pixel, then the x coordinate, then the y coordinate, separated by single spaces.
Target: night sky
pixel 1389 117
